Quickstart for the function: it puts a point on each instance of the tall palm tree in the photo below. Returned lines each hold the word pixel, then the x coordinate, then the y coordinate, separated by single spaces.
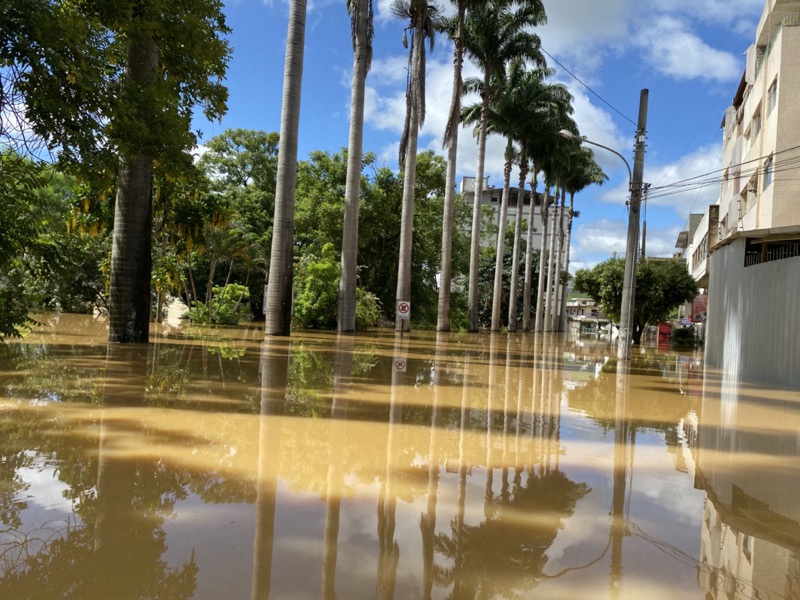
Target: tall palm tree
pixel 553 150
pixel 279 292
pixel 545 211
pixel 494 35
pixel 583 172
pixel 547 108
pixel 362 32
pixel 456 32
pixel 423 20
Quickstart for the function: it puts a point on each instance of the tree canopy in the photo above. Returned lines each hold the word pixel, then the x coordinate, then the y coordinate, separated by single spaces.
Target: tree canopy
pixel 661 286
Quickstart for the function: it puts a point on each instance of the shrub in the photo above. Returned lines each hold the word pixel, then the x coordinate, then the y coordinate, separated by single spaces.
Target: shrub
pixel 228 306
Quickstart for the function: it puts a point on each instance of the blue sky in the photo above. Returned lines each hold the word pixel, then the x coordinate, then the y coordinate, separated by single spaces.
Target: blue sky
pixel 688 53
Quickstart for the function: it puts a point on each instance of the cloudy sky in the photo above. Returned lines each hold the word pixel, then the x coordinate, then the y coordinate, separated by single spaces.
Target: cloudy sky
pixel 688 53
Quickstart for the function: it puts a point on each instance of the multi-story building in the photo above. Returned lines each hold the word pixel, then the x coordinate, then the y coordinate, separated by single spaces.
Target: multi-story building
pixel 492 197
pixel 747 248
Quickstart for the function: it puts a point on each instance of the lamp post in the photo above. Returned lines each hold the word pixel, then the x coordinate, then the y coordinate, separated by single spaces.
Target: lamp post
pixel 631 250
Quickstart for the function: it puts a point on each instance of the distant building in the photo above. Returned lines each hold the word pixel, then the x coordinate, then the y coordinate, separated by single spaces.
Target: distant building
pixel 493 196
pixel 585 316
pixel 746 249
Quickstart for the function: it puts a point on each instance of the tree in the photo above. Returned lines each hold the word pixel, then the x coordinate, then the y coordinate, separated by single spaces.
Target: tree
pixel 423 21
pixel 455 29
pixel 583 172
pixel 362 32
pixel 114 87
pixel 661 286
pixel 279 294
pixel 550 110
pixel 19 181
pixel 241 167
pixel 494 35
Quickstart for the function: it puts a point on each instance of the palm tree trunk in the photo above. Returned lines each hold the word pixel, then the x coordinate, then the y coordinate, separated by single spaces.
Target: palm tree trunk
pixel 475 239
pixel 409 182
pixel 407 225
pixel 497 295
pixel 512 294
pixel 451 139
pixel 548 305
pixel 131 260
pixel 542 268
pixel 279 293
pixel 559 256
pixel 562 320
pixel 526 301
pixel 348 279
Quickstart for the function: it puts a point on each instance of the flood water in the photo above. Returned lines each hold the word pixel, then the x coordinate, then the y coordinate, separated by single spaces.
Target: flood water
pixel 214 464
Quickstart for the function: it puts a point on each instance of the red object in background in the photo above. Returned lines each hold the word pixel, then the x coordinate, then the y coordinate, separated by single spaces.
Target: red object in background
pixel 664 334
pixel 699 307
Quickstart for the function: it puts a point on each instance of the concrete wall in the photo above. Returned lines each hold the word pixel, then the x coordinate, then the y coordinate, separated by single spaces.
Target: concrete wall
pixel 753 330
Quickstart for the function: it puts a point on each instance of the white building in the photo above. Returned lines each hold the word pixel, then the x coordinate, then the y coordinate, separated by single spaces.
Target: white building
pixel 492 197
pixel 747 247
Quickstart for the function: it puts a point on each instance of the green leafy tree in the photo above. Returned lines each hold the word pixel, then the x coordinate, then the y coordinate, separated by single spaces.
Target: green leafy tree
pixel 114 87
pixel 19 181
pixel 661 286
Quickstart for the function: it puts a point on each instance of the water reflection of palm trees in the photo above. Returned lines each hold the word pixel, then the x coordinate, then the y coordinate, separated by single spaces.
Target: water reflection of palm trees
pixel 505 553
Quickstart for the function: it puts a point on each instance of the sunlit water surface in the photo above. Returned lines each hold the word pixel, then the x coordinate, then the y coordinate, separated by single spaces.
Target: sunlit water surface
pixel 214 464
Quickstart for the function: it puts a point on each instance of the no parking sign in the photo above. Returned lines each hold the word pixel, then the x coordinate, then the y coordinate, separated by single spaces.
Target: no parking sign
pixel 403 309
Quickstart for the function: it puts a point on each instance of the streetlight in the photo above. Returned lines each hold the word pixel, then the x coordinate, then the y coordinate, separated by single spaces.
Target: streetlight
pixel 635 188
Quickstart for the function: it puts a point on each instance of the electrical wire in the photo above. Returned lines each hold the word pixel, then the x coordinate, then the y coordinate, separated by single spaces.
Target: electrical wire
pixel 717 177
pixel 576 78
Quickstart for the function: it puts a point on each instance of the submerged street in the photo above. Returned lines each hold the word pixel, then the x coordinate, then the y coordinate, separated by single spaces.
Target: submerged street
pixel 213 463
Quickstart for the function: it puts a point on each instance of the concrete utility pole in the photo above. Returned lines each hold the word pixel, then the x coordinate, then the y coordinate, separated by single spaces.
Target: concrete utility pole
pixel 631 251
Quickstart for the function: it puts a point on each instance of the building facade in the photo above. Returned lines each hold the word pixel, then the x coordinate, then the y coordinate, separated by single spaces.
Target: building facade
pixel 746 249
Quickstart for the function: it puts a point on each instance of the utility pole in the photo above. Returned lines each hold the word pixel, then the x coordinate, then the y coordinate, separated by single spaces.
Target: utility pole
pixel 632 247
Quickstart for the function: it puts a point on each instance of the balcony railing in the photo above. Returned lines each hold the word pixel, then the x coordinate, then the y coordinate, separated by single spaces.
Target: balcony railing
pixel 789 20
pixel 758 252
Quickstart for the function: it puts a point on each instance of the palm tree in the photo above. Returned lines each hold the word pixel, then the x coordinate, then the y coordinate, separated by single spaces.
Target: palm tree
pixel 552 153
pixel 279 293
pixel 545 211
pixel 456 32
pixel 583 172
pixel 550 107
pixel 494 35
pixel 362 32
pixel 424 19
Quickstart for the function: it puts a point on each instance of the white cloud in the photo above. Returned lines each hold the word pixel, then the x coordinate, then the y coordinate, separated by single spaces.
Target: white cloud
pixel 602 237
pixel 675 51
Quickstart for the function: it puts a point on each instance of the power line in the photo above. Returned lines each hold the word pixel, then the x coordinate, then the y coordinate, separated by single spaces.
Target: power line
pixel 578 79
pixel 716 177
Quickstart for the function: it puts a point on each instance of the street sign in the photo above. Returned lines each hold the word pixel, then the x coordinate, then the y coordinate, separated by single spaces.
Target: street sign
pixel 403 309
pixel 400 364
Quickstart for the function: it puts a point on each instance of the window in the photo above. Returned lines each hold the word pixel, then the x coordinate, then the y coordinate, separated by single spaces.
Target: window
pixel 757 123
pixel 772 95
pixel 768 169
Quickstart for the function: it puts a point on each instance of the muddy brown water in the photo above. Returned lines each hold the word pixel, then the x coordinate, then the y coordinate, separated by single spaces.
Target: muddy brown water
pixel 212 463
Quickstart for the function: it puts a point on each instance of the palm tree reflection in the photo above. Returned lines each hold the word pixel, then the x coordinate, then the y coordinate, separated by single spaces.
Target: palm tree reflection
pixel 342 372
pixel 274 375
pixel 505 553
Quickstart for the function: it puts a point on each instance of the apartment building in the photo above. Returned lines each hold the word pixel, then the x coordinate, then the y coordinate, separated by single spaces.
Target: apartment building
pixel 746 249
pixel 492 197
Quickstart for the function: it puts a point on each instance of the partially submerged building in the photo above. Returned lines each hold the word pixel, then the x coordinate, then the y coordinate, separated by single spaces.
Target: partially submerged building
pixel 746 249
